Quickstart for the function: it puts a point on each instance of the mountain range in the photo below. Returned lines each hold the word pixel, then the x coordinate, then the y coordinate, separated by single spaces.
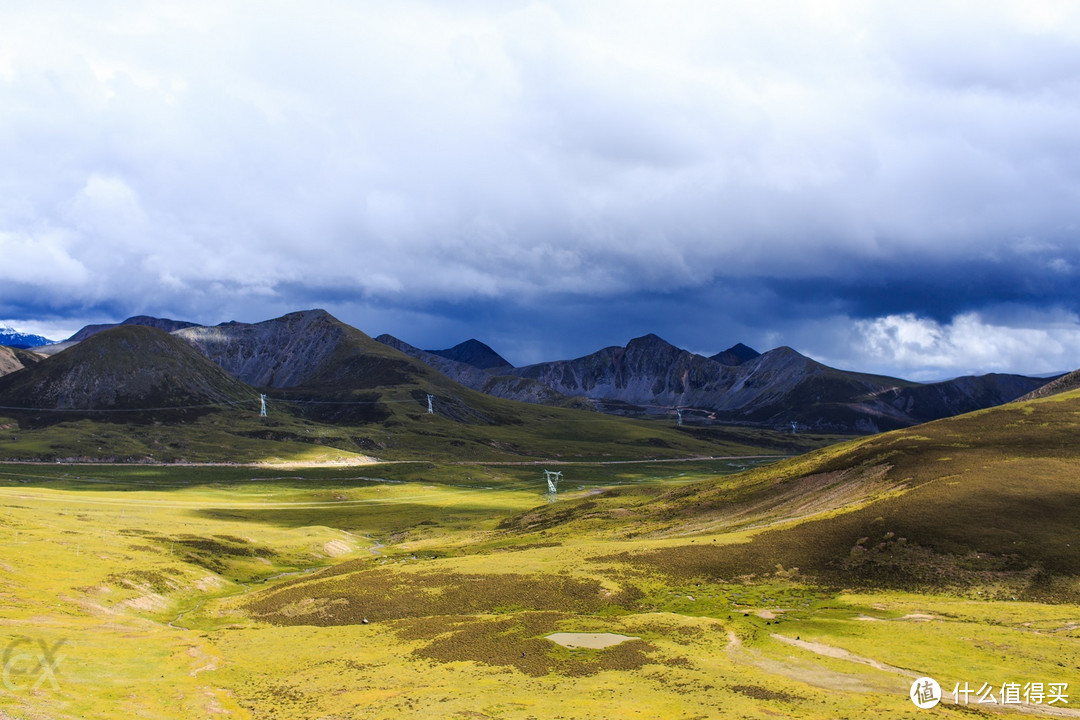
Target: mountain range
pixel 781 387
pixel 345 376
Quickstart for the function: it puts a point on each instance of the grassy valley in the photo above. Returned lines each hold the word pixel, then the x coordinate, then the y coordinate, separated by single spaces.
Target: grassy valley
pixel 816 587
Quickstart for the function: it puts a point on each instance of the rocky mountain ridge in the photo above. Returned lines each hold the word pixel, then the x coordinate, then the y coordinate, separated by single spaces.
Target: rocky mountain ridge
pixel 775 389
pixel 311 354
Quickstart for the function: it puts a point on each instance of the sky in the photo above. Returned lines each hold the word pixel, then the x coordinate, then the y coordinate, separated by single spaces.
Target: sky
pixel 886 187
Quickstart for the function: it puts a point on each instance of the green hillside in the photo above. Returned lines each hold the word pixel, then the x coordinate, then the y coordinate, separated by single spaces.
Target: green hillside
pixel 988 500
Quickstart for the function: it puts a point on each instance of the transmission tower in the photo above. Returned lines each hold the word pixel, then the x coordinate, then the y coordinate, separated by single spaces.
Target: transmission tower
pixel 262 409
pixel 793 426
pixel 678 411
pixel 430 407
pixel 552 477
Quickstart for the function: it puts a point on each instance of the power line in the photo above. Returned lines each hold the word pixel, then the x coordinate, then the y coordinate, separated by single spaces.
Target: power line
pixel 107 410
pixel 237 403
pixel 349 402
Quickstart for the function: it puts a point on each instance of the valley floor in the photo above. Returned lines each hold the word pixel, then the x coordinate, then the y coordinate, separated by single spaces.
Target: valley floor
pixel 392 591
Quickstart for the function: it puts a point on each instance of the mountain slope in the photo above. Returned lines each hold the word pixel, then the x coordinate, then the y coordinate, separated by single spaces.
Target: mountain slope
pixel 289 351
pixel 468 375
pixel 12 359
pixel 1064 383
pixel 984 500
pixel 123 368
pixel 475 353
pixel 313 355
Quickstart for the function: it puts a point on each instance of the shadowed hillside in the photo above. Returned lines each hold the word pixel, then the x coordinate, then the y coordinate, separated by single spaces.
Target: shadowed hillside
pixel 123 368
pixel 475 353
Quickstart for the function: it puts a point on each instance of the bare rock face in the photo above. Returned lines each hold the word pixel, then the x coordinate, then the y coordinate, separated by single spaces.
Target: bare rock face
pixel 647 371
pixel 129 367
pixel 337 373
pixel 285 352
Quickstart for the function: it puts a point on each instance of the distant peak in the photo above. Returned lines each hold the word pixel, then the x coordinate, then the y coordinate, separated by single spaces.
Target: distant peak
pixel 11 337
pixel 649 340
pixel 475 353
pixel 736 355
pixel 313 318
pixel 313 314
pixel 783 354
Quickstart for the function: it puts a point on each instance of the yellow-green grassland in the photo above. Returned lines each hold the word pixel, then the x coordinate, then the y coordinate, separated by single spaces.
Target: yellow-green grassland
pixel 818 586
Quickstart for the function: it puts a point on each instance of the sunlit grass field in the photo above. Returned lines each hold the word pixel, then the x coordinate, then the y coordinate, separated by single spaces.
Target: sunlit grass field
pixel 411 590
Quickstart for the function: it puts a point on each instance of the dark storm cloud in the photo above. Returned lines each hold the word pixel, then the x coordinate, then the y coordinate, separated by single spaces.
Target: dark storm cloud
pixel 834 176
pixel 935 291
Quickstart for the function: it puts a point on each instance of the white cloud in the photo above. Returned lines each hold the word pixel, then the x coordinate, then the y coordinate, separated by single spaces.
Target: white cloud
pixel 45 258
pixel 211 157
pixel 924 349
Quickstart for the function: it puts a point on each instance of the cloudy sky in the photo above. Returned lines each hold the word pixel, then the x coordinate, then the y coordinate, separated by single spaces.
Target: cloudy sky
pixel 890 187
